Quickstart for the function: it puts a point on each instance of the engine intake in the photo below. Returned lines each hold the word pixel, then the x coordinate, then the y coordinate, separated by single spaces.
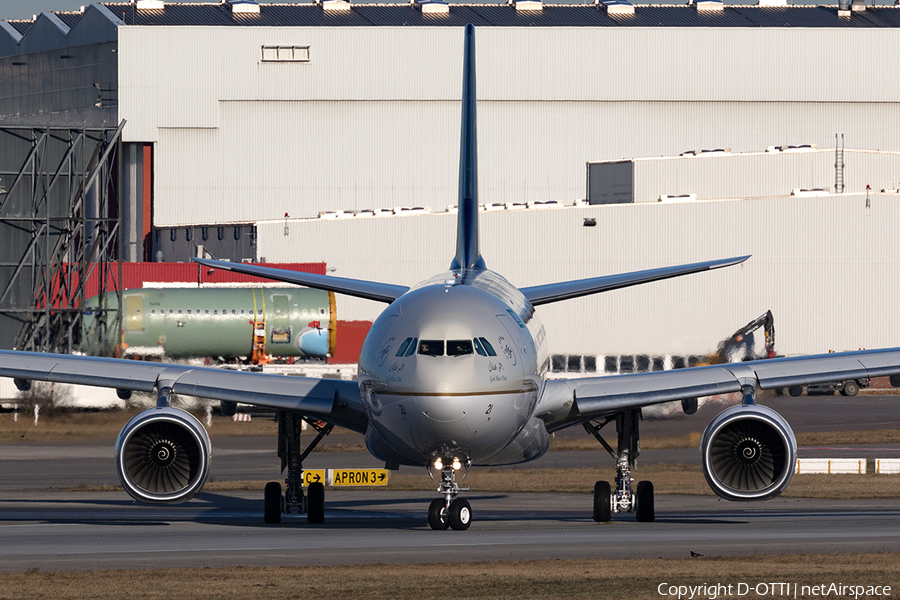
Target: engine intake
pixel 749 453
pixel 162 456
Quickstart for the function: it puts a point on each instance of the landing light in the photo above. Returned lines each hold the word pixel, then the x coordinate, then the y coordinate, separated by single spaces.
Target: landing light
pixel 439 465
pixel 456 464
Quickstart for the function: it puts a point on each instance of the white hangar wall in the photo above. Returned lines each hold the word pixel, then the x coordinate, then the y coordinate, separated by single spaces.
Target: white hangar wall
pixel 830 282
pixel 372 119
pixel 716 175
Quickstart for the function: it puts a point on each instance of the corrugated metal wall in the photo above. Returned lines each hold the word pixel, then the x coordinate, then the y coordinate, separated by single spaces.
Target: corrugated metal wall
pixel 514 63
pixel 60 81
pixel 717 175
pixel 268 158
pixel 825 266
pixel 372 120
pixel 314 156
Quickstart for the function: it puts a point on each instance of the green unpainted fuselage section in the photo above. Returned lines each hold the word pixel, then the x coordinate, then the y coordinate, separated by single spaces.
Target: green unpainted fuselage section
pixel 214 322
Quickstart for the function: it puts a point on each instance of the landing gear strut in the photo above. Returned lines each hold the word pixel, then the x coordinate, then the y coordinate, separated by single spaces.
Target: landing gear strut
pixel 449 511
pixel 293 500
pixel 624 498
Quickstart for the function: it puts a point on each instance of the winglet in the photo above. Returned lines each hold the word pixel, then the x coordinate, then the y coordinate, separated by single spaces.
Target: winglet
pixel 467 253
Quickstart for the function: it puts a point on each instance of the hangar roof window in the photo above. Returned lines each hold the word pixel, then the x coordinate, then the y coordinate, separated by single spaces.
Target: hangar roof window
pixel 285 53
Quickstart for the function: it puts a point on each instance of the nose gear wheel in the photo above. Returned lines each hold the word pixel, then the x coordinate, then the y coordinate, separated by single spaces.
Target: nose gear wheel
pixel 460 514
pixel 437 515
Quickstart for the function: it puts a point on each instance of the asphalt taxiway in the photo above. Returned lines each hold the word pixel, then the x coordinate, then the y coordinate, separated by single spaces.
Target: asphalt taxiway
pixel 43 526
pixel 88 530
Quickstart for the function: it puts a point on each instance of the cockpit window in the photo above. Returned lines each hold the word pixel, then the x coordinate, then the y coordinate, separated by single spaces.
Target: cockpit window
pixel 431 347
pixel 404 346
pixel 412 347
pixel 459 347
pixel 479 348
pixel 487 346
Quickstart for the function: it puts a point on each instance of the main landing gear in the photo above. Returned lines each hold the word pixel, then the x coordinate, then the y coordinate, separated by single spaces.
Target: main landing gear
pixel 293 499
pixel 450 510
pixel 625 498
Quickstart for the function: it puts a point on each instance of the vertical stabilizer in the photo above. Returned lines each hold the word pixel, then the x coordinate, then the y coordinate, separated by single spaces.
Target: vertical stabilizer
pixel 467 253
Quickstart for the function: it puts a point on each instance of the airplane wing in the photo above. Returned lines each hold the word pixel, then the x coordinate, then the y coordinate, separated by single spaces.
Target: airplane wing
pixel 331 400
pixel 370 290
pixel 566 402
pixel 554 292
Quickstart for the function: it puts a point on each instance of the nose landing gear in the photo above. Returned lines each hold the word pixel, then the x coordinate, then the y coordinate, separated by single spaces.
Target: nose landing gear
pixel 450 510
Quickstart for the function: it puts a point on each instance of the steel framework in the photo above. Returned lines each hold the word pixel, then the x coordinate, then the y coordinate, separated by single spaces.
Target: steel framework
pixel 60 222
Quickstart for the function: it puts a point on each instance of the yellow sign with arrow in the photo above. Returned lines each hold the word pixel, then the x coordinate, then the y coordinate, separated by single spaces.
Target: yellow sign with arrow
pixel 357 477
pixel 313 476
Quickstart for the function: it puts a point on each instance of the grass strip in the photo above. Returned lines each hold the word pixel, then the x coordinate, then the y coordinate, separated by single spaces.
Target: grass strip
pixel 524 580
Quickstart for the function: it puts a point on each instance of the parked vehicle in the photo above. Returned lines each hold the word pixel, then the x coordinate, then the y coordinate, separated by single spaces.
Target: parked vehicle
pixel 850 387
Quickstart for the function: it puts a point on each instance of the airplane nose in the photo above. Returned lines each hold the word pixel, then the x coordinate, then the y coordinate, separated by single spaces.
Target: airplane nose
pixel 443 409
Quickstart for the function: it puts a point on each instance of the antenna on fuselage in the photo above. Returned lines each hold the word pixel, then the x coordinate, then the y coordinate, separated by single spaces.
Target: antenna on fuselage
pixel 467 253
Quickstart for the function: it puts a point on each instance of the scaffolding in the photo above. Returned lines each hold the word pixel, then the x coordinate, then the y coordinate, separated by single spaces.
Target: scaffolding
pixel 60 222
pixel 258 356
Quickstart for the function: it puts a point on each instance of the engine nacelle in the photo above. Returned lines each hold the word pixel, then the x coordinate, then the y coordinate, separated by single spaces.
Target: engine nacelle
pixel 749 453
pixel 162 456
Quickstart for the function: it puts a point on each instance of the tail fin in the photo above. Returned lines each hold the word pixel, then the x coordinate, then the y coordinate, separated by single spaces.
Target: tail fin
pixel 467 253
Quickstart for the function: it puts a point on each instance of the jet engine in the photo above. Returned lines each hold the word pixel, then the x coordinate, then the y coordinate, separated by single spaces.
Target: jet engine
pixel 749 453
pixel 162 456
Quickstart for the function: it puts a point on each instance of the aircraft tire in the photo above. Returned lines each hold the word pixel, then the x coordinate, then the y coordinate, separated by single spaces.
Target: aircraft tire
pixel 435 517
pixel 644 508
pixel 460 516
pixel 315 507
pixel 851 388
pixel 795 390
pixel 272 506
pixel 602 507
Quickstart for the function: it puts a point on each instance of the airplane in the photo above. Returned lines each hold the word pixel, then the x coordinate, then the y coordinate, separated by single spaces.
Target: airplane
pixel 452 375
pixel 254 322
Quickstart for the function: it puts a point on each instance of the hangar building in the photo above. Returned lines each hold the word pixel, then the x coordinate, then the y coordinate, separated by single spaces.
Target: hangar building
pixel 264 116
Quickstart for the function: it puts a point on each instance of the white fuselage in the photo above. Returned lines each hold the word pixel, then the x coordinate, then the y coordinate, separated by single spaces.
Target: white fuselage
pixel 453 368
